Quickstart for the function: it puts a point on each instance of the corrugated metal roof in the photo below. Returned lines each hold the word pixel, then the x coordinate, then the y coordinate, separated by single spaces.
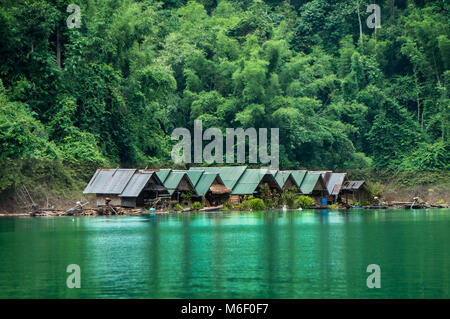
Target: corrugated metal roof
pixel 250 180
pixel 229 174
pixel 194 175
pixel 279 177
pixel 289 177
pixel 325 175
pixel 136 184
pixel 173 180
pixel 352 185
pixel 282 177
pixel 202 179
pixel 298 176
pixel 205 182
pixel 89 188
pixel 309 182
pixel 109 181
pixel 163 173
pixel 335 182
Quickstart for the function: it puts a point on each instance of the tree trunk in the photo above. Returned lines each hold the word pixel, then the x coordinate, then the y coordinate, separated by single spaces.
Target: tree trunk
pixel 58 46
pixel 360 27
pixel 418 107
pixel 392 8
pixel 421 125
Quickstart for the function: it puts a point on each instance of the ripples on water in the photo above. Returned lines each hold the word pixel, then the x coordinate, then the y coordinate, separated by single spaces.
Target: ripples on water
pixel 267 254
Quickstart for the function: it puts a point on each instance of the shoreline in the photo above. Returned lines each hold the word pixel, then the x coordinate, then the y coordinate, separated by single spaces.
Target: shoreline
pixel 135 212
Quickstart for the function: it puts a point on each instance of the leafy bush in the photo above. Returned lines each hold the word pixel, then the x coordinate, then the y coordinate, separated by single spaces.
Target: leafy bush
pixel 227 205
pixel 196 206
pixel 375 189
pixel 289 197
pixel 187 195
pixel 245 204
pixel 257 204
pixel 304 202
pixel 251 203
pixel 178 207
pixel 270 200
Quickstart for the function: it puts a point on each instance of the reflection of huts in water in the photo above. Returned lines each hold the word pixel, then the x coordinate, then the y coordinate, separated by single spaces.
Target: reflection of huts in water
pixel 286 180
pixel 229 175
pixel 209 186
pixel 251 181
pixel 314 185
pixel 178 184
pixel 355 192
pixel 125 187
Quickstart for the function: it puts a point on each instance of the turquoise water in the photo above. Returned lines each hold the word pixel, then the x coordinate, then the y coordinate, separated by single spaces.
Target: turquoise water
pixel 267 254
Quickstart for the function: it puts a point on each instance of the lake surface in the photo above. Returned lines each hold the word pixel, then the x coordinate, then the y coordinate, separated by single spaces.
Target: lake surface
pixel 270 254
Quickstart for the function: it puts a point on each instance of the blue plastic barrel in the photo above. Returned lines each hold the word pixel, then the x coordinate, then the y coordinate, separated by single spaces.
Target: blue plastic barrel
pixel 324 201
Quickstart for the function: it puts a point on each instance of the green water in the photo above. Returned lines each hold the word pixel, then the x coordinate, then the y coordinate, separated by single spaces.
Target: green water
pixel 229 255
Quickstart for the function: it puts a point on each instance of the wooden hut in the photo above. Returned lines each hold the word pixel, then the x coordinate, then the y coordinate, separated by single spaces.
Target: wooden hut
pixel 209 186
pixel 355 192
pixel 124 187
pixel 143 189
pixel 314 185
pixel 325 175
pixel 298 176
pixel 334 186
pixel 251 181
pixel 286 180
pixel 178 183
pixel 230 175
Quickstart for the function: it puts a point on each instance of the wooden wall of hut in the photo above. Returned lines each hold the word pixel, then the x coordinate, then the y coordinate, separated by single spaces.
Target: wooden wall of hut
pixel 115 200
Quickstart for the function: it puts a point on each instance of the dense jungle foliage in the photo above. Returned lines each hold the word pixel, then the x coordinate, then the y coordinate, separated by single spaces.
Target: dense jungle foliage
pixel 111 92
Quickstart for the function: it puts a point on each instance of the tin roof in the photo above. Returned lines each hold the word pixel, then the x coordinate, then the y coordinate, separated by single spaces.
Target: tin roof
pixel 138 182
pixel 279 177
pixel 163 173
pixel 298 176
pixel 195 175
pixel 325 175
pixel 109 181
pixel 282 177
pixel 335 182
pixel 310 181
pixel 122 182
pixel 250 180
pixel 229 174
pixel 173 181
pixel 289 177
pixel 202 179
pixel 352 185
pixel 205 182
